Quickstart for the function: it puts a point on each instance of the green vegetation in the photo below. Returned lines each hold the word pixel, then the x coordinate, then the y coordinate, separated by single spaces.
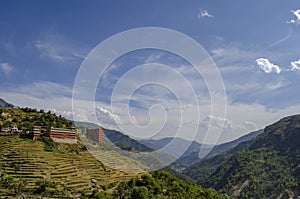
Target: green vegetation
pixel 202 171
pixel 26 168
pixel 125 142
pixel 266 167
pixel 14 185
pixel 25 118
pixel 162 185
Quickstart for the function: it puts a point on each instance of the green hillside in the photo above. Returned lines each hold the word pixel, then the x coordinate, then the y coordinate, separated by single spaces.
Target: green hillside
pixel 35 168
pixel 25 118
pixel 266 167
pixel 43 167
pixel 163 185
pixel 70 168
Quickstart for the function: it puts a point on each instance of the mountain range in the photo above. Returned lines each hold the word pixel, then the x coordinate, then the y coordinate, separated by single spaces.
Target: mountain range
pixel 117 138
pixel 193 150
pixel 261 164
pixel 179 148
pixel 264 167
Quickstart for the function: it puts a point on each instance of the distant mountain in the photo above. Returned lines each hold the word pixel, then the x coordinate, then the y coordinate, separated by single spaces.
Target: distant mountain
pixel 118 138
pixel 4 104
pixel 121 140
pixel 265 167
pixel 178 146
pixel 43 168
pixel 192 157
pixel 229 145
pixel 194 154
pixel 202 170
pixel 186 152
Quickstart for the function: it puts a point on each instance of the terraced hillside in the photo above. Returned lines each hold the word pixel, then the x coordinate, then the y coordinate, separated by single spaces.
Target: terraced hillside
pixel 71 169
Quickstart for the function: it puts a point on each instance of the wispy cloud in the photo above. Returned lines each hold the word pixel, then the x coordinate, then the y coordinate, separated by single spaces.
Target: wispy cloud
pixel 153 58
pixel 249 126
pixel 297 14
pixel 56 48
pixel 219 122
pixel 267 66
pixel 61 103
pixel 6 68
pixel 285 38
pixel 204 14
pixel 279 83
pixel 228 54
pixel 46 89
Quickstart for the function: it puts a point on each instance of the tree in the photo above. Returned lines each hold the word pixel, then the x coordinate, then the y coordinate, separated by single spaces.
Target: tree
pixel 140 192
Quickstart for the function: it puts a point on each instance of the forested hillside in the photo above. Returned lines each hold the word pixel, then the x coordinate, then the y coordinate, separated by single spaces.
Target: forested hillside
pixel 266 167
pixel 25 118
pixel 42 167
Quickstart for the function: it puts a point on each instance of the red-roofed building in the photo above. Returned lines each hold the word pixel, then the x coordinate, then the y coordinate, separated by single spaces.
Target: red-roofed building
pixel 35 133
pixel 56 134
pixel 61 133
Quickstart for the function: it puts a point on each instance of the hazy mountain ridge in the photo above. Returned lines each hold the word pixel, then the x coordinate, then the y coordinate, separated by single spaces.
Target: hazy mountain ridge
pixel 119 139
pixel 29 169
pixel 4 104
pixel 265 167
pixel 195 154
pixel 218 149
pixel 180 147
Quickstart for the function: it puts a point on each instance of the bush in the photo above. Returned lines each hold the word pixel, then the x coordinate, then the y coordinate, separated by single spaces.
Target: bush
pixel 140 192
pixel 100 195
pixel 44 187
pixel 50 145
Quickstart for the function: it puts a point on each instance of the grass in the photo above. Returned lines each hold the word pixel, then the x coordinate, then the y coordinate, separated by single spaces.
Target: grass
pixel 27 160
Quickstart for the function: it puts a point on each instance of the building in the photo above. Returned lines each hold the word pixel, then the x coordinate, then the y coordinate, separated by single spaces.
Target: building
pixel 56 134
pixel 61 133
pixel 5 129
pixel 96 135
pixel 14 129
pixel 35 133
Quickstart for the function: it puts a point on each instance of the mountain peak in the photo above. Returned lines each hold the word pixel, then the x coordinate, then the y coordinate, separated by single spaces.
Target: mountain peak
pixel 284 125
pixel 4 104
pixel 267 166
pixel 283 135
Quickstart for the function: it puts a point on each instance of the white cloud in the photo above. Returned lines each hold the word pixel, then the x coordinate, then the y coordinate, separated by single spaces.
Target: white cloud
pixel 204 14
pixel 277 85
pixel 219 52
pixel 6 68
pixel 233 54
pixel 107 117
pixel 236 122
pixel 56 48
pixel 297 14
pixel 45 89
pixel 153 58
pixel 219 122
pixel 295 66
pixel 267 66
pixel 249 126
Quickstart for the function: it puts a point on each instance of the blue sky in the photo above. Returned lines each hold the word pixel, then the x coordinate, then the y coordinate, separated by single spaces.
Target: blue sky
pixel 255 45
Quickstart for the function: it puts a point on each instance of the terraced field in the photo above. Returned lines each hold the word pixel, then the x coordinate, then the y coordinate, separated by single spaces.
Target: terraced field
pixel 73 171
